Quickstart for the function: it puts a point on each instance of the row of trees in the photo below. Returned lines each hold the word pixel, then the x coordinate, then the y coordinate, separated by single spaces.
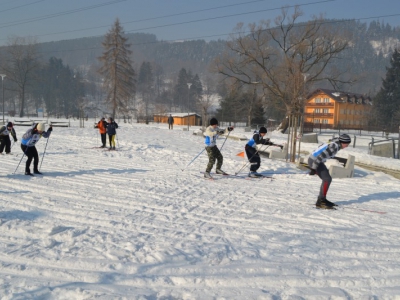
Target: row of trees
pixel 266 70
pixel 29 83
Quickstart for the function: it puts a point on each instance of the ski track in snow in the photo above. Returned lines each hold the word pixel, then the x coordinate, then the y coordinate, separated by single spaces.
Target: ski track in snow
pixel 129 224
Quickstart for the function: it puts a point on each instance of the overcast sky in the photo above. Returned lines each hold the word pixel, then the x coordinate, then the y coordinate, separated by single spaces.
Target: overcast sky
pixel 53 20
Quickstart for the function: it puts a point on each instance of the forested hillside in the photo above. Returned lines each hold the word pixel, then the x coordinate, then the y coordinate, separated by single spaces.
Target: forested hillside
pixel 371 49
pixel 172 56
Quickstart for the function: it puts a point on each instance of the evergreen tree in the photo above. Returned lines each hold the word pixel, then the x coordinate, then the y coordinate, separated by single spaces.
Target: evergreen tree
pixel 196 92
pixel 61 90
pixel 117 69
pixel 181 90
pixel 387 101
pixel 258 116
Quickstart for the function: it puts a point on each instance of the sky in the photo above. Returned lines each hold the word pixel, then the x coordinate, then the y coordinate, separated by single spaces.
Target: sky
pixel 130 224
pixel 53 20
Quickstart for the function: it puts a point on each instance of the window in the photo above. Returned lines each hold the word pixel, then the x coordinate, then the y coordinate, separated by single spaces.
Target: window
pixel 317 110
pixel 342 111
pixel 326 111
pixel 317 121
pixel 317 100
pixel 326 100
pixel 325 121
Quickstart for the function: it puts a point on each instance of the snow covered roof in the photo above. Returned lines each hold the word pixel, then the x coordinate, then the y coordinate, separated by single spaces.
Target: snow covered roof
pixel 178 115
pixel 343 96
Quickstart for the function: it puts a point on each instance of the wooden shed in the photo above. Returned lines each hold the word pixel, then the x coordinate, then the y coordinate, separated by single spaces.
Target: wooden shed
pixel 179 118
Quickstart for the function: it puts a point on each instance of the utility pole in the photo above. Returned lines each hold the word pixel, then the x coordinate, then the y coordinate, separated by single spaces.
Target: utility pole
pixel 189 85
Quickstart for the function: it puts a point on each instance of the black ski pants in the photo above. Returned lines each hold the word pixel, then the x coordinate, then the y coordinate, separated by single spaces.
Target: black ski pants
pixel 323 173
pixel 254 158
pixel 103 138
pixel 5 142
pixel 31 153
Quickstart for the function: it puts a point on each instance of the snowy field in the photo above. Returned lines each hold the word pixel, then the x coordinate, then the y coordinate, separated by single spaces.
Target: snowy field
pixel 129 224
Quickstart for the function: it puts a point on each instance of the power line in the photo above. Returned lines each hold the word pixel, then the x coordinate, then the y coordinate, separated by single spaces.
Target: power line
pixel 12 1
pixel 4 10
pixel 190 12
pixel 154 18
pixel 9 24
pixel 226 34
pixel 227 16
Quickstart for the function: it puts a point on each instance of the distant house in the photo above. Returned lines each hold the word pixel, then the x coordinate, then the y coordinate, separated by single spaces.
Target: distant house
pixel 179 118
pixel 336 109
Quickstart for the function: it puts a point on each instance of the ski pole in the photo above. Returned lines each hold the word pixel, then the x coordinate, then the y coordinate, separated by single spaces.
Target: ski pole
pixel 20 160
pixel 250 160
pixel 44 152
pixel 225 141
pixel 194 159
pixel 116 136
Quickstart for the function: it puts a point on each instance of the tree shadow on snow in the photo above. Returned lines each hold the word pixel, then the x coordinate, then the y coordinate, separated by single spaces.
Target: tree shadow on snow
pixel 371 197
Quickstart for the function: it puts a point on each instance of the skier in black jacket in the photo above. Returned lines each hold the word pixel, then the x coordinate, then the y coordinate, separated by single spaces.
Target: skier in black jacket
pixel 112 132
pixel 252 152
pixel 5 137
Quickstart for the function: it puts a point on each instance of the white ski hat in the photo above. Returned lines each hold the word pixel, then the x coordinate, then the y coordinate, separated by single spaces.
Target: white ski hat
pixel 40 127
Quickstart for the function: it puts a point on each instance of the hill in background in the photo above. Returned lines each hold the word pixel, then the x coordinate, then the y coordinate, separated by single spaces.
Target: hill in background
pixel 368 57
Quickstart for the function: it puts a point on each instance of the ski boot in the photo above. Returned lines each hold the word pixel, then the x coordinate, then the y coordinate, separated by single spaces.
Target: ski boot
pixel 28 172
pixel 322 202
pixel 254 174
pixel 207 175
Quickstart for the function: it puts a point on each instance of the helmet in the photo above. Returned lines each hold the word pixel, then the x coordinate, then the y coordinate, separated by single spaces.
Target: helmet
pixel 262 130
pixel 9 124
pixel 213 121
pixel 40 127
pixel 344 139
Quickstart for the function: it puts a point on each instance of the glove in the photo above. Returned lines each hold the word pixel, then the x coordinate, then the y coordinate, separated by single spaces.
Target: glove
pixel 50 129
pixel 281 147
pixel 230 128
pixel 341 160
pixel 15 140
pixel 221 132
pixel 312 172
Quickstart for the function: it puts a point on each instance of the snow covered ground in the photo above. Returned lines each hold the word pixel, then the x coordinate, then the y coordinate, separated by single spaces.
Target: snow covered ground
pixel 129 224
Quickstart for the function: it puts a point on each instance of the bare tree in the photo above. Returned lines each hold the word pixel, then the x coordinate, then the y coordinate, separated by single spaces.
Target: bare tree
pixel 21 66
pixel 204 102
pixel 146 86
pixel 117 70
pixel 284 58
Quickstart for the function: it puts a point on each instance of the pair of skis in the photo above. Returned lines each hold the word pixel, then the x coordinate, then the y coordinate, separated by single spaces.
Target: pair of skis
pixel 238 176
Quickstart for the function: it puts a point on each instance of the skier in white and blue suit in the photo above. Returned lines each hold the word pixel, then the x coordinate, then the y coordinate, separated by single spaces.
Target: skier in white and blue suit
pixel 211 134
pixel 28 142
pixel 252 152
pixel 317 166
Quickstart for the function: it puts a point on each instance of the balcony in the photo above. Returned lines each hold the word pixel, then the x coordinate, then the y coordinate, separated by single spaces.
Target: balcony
pixel 318 115
pixel 320 104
